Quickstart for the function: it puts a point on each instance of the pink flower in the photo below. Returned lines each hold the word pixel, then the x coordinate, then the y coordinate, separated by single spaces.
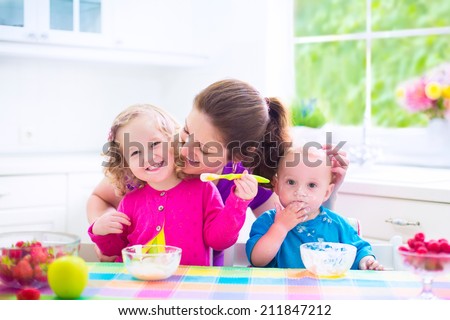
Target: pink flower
pixel 447 104
pixel 415 97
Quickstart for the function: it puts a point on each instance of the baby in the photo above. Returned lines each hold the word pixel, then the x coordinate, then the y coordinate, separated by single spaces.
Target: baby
pixel 304 181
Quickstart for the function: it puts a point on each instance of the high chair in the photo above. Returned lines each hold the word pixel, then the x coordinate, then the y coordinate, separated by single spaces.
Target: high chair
pixel 385 252
pixel 87 252
pixel 387 255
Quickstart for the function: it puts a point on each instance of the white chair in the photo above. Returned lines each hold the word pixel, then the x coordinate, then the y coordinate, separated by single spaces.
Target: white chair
pixel 87 252
pixel 387 254
pixel 236 256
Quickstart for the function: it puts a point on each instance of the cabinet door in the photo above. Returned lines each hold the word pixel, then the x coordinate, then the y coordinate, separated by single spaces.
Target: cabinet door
pixel 383 217
pixel 75 22
pixel 80 186
pixel 33 219
pixel 33 202
pixel 18 20
pixel 153 25
pixel 71 22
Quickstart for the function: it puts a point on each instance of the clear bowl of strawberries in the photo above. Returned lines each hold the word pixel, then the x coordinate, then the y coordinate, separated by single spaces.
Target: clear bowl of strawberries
pixel 25 256
pixel 426 258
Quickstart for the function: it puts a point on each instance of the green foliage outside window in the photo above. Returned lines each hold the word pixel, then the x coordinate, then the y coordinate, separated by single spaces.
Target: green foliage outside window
pixel 333 73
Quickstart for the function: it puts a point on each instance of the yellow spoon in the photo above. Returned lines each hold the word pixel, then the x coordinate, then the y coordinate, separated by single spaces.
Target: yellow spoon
pixel 231 176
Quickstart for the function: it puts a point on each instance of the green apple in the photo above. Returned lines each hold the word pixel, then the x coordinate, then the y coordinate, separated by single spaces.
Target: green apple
pixel 68 276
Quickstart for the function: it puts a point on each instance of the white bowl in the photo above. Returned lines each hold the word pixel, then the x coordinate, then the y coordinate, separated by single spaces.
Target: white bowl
pixel 155 262
pixel 328 259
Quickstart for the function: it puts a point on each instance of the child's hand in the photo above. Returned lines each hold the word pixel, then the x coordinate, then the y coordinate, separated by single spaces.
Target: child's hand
pixel 110 222
pixel 246 186
pixel 369 263
pixel 290 216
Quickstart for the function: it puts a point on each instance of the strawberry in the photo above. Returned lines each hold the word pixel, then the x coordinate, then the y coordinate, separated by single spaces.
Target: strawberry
pixel 20 244
pixel 433 246
pixel 23 272
pixel 6 273
pixel 419 244
pixel 412 243
pixel 35 244
pixel 421 250
pixel 444 247
pixel 28 294
pixel 15 254
pixel 38 255
pixel 403 248
pixel 420 236
pixel 39 274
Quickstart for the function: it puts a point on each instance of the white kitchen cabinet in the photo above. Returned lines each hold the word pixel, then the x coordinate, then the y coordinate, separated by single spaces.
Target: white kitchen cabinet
pixel 153 25
pixel 47 192
pixel 80 187
pixel 152 32
pixel 382 217
pixel 56 22
pixel 33 202
pixel 389 201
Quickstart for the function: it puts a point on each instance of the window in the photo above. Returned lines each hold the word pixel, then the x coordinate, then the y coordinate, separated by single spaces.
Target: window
pixel 351 55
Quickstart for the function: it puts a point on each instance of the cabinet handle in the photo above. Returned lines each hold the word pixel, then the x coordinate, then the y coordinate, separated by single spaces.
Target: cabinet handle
pixel 402 222
pixel 44 36
pixel 31 36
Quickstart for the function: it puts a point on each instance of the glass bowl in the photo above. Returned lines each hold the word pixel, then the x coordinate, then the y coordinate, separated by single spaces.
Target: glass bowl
pixel 427 266
pixel 328 259
pixel 153 262
pixel 26 255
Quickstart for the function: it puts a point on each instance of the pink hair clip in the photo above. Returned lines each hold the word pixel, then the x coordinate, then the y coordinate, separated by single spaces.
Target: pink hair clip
pixel 110 136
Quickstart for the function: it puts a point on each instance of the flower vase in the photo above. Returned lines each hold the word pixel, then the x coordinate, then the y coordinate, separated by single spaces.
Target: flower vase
pixel 438 137
pixel 439 129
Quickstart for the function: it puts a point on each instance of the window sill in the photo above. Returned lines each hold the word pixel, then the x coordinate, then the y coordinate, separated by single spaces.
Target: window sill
pixel 389 146
pixel 413 183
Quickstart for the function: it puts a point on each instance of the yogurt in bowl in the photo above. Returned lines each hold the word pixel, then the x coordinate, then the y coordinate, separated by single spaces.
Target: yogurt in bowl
pixel 328 259
pixel 153 262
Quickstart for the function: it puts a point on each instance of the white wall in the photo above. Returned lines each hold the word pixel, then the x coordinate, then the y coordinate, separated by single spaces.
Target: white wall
pixel 69 105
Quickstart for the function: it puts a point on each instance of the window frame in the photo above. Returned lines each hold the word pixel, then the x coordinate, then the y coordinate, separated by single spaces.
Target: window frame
pixel 367 151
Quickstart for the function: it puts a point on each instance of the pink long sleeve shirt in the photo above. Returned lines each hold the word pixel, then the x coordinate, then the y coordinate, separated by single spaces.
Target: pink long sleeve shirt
pixel 192 213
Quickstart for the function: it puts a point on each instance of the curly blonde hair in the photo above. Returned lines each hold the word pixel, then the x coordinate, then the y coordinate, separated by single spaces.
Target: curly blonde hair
pixel 116 168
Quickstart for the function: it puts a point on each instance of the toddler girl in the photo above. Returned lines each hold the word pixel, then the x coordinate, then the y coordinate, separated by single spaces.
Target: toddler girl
pixel 141 165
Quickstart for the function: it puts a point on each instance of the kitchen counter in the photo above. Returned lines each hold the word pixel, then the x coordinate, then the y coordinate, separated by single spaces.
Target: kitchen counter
pixel 415 183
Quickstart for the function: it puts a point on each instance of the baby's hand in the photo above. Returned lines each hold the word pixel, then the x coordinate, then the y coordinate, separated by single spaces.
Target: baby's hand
pixel 246 186
pixel 110 222
pixel 369 263
pixel 290 216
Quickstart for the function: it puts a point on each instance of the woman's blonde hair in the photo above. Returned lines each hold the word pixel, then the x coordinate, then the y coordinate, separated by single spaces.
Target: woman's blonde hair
pixel 116 168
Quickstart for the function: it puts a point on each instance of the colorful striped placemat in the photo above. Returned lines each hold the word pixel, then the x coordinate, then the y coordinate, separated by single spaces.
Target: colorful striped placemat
pixel 112 281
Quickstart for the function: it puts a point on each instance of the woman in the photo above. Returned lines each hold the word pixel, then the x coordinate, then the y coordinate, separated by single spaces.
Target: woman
pixel 230 127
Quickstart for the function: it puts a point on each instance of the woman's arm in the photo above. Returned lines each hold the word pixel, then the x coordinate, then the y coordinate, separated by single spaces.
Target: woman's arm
pixel 267 205
pixel 102 199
